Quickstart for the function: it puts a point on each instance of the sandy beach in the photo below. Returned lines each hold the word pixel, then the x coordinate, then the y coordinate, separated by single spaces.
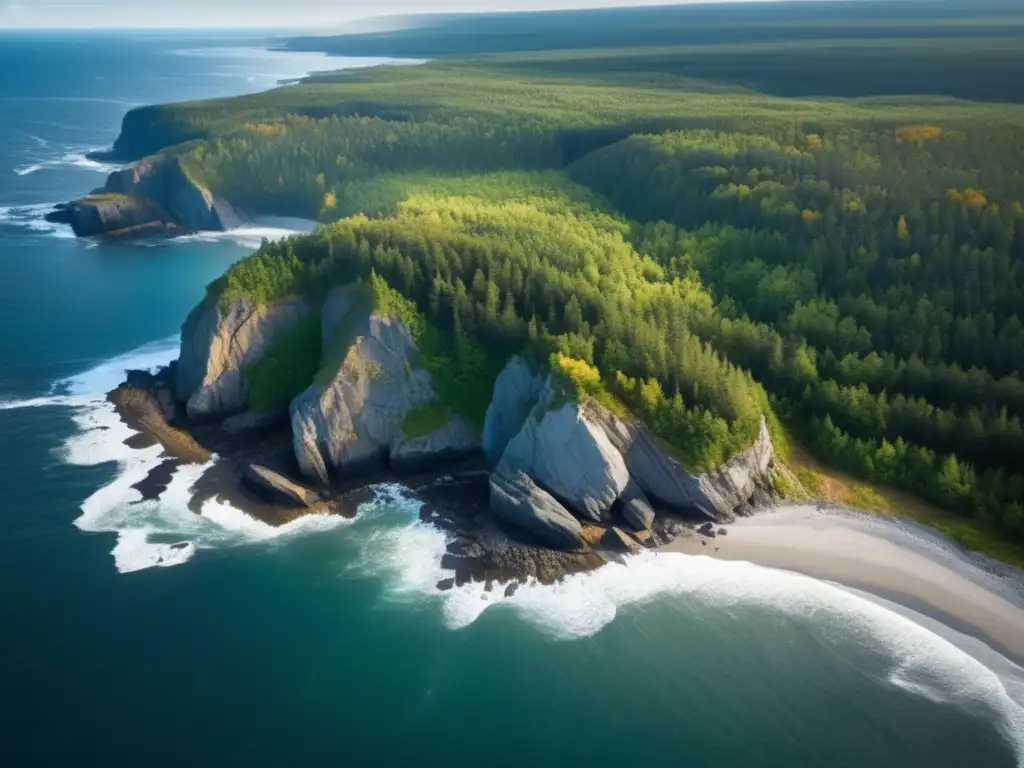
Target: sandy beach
pixel 901 562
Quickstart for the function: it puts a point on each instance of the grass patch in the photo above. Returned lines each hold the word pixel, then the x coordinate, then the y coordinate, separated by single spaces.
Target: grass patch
pixel 426 420
pixel 287 368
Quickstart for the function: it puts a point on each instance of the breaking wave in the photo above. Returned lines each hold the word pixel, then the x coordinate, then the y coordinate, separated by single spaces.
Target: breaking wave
pixel 158 533
pixel 76 158
pixel 247 236
pixel 926 661
pixel 33 218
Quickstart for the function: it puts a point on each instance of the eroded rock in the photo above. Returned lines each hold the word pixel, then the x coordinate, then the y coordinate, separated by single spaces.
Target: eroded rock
pixel 218 343
pixel 515 392
pixel 277 488
pixel 518 500
pixel 568 454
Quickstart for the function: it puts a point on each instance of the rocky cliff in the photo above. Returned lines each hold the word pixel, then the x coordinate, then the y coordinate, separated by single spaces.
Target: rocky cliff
pixel 565 469
pixel 579 459
pixel 715 494
pixel 155 194
pixel 114 216
pixel 216 345
pixel 354 417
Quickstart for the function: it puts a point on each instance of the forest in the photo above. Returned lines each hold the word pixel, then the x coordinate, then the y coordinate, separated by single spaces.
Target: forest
pixel 686 242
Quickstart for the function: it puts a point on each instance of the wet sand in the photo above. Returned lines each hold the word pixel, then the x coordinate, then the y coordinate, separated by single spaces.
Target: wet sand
pixel 900 562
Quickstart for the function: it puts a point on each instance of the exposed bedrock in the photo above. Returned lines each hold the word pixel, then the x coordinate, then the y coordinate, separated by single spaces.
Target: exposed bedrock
pixel 155 194
pixel 353 418
pixel 216 345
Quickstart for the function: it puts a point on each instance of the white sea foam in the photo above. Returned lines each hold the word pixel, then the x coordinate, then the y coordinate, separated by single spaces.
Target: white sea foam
pixel 33 217
pixel 75 158
pixel 406 553
pixel 162 532
pixel 248 236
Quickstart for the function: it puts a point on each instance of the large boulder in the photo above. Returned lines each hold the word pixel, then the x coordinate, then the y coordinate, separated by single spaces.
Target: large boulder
pixel 278 488
pixel 636 509
pixel 353 418
pixel 216 345
pixel 566 452
pixel 516 499
pixel 715 494
pixel 446 445
pixel 515 392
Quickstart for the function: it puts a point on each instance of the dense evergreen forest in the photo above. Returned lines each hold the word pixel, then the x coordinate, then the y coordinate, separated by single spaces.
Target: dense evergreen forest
pixel 709 250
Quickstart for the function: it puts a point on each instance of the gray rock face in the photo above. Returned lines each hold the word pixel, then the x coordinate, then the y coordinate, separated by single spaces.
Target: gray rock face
pixel 636 510
pixel 161 178
pixel 741 477
pixel 515 390
pixel 356 421
pixel 278 488
pixel 451 443
pixel 216 345
pixel 570 455
pixel 716 493
pixel 153 195
pixel 517 499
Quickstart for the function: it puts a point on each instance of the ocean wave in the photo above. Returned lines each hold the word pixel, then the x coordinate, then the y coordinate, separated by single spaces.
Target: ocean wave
pixel 247 236
pixel 74 158
pixel 159 533
pixel 33 217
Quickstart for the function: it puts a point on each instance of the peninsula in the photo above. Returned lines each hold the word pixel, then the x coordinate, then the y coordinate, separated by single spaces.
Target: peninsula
pixel 606 278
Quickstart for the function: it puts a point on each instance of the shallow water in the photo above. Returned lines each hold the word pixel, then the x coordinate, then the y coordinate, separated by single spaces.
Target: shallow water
pixel 139 633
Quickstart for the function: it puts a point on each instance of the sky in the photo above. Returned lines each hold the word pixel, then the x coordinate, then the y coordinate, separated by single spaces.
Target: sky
pixel 326 15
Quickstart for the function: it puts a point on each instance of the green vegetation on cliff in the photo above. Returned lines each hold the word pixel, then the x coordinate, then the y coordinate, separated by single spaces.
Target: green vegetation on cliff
pixel 702 252
pixel 287 368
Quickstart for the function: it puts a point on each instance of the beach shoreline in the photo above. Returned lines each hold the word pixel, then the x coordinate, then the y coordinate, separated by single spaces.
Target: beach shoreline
pixel 898 562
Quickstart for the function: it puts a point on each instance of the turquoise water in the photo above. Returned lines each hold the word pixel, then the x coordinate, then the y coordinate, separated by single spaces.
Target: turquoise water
pixel 326 642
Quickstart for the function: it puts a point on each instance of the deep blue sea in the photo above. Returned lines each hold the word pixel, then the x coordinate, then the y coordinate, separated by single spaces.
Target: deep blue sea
pixel 325 643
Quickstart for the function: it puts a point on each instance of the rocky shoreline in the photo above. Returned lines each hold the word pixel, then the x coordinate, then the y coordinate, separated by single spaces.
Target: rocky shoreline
pixel 483 547
pixel 155 195
pixel 552 485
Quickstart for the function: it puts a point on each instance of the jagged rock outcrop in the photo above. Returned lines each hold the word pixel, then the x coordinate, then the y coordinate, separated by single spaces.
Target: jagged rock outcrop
pixel 353 418
pixel 155 194
pixel 716 493
pixel 568 454
pixel 636 509
pixel 518 500
pixel 451 443
pixel 216 345
pixel 162 179
pixel 113 215
pixel 278 488
pixel 515 392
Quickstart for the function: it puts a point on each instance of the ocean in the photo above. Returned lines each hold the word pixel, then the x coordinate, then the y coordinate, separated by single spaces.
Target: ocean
pixel 143 634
